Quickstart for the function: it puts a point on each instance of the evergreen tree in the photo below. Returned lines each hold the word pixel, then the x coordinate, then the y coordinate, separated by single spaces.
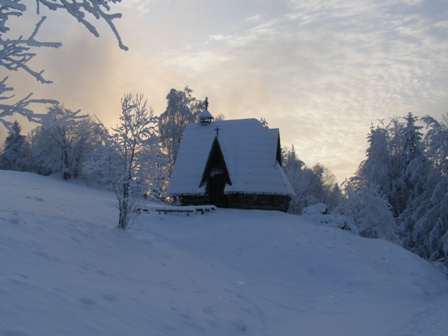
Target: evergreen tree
pixel 311 185
pixel 182 109
pixel 397 195
pixel 436 143
pixel 412 180
pixel 290 161
pixel 429 212
pixel 375 169
pixel 411 173
pixel 15 150
pixel 293 168
pixel 412 138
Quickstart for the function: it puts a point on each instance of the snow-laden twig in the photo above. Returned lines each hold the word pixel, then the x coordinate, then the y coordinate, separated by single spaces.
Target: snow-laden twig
pixel 16 52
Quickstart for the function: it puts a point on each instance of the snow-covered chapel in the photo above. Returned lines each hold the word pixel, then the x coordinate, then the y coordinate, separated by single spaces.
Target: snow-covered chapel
pixel 230 163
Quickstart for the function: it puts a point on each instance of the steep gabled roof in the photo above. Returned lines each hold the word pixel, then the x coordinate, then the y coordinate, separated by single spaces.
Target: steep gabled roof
pixel 250 152
pixel 215 158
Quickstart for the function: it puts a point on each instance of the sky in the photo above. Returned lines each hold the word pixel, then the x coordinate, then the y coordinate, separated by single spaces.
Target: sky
pixel 321 71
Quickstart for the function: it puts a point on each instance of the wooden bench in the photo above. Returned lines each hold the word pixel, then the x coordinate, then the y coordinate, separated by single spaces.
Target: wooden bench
pixel 205 208
pixel 180 209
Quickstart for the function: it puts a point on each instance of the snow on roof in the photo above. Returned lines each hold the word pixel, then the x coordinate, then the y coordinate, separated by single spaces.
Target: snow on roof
pixel 205 114
pixel 249 151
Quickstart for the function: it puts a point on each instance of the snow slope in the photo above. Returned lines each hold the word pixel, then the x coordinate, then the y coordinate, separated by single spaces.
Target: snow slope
pixel 66 270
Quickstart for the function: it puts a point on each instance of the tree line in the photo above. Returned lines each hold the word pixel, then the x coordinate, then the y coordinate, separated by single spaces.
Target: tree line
pixel 134 159
pixel 316 184
pixel 67 143
pixel 400 191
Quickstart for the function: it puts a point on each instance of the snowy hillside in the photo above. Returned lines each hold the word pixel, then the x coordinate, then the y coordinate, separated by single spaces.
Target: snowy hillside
pixel 66 270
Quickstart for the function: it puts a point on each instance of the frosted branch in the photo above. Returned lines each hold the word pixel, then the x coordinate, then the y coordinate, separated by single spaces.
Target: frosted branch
pixel 21 107
pixel 97 8
pixel 15 53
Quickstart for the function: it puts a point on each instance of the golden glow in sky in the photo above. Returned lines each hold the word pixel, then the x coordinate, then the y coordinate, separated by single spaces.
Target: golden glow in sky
pixel 322 71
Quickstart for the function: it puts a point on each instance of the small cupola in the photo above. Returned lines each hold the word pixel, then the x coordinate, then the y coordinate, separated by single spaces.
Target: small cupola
pixel 205 117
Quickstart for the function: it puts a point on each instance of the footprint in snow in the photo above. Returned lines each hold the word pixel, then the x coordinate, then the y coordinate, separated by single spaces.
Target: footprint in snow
pixel 109 297
pixel 40 199
pixel 17 332
pixel 87 301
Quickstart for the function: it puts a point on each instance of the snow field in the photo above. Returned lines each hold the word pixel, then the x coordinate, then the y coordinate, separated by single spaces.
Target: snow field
pixel 66 270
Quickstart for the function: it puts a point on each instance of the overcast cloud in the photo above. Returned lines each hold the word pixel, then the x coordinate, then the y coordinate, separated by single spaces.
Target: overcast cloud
pixel 321 71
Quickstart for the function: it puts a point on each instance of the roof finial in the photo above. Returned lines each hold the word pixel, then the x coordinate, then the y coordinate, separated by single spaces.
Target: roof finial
pixel 205 116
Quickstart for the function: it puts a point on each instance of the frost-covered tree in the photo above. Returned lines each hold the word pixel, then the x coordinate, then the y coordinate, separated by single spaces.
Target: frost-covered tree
pixel 56 145
pixel 311 185
pixel 412 179
pixel 427 215
pixel 294 170
pixel 89 137
pixel 429 237
pixel 410 172
pixel 324 186
pixel 63 142
pixel 405 150
pixel 128 163
pixel 349 205
pixel 219 117
pixel 417 167
pixel 378 190
pixel 182 109
pixel 436 143
pixel 412 138
pixel 16 52
pixel 369 212
pixel 375 169
pixel 290 160
pixel 15 150
pixel 397 195
pixel 375 216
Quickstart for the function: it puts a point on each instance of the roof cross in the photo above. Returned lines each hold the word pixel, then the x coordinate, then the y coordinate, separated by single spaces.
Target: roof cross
pixel 217 131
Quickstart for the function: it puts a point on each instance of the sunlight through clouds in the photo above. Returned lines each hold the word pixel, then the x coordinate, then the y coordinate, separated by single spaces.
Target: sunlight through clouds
pixel 322 71
pixel 334 66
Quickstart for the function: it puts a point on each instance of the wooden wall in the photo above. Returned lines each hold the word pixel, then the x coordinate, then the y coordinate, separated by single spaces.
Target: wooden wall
pixel 243 201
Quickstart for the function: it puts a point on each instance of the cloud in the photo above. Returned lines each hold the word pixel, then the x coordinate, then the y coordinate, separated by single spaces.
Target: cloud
pixel 330 65
pixel 255 18
pixel 322 71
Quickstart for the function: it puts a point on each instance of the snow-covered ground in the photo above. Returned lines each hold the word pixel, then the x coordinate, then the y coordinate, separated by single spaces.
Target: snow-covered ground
pixel 66 270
